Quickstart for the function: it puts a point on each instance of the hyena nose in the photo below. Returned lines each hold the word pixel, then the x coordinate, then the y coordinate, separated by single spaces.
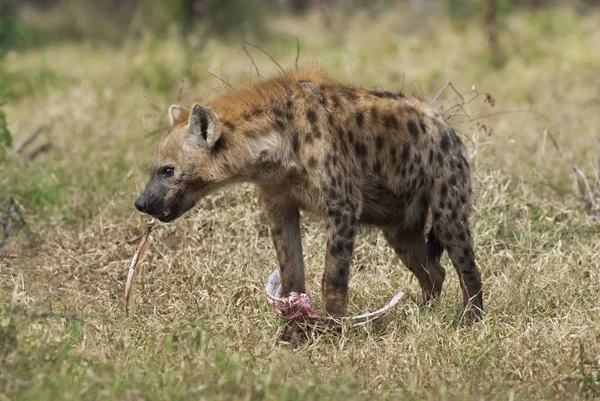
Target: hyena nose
pixel 140 204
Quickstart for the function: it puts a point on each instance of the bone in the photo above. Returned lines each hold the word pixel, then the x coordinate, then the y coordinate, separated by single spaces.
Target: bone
pixel 299 306
pixel 134 262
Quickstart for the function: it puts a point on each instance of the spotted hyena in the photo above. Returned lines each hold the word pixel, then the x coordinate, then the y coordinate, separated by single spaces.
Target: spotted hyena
pixel 351 155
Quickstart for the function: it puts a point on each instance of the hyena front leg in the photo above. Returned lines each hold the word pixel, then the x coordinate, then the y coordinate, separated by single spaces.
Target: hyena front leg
pixel 284 221
pixel 342 224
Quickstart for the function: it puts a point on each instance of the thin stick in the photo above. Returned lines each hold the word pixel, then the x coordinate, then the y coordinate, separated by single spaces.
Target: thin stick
pixel 448 84
pixel 267 54
pixel 297 51
pixel 134 261
pixel 41 149
pixel 251 60
pixel 587 185
pixel 32 138
pixel 218 78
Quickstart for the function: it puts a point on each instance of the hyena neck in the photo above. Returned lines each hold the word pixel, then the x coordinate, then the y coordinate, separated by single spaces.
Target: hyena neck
pixel 271 158
pixel 250 151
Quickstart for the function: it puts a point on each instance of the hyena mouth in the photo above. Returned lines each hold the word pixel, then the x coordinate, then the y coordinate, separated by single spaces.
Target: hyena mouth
pixel 172 211
pixel 169 214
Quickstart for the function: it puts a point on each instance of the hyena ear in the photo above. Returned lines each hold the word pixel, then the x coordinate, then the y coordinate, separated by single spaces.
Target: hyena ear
pixel 177 114
pixel 204 125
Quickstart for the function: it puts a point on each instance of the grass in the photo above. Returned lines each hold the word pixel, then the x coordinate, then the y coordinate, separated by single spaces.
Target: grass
pixel 200 327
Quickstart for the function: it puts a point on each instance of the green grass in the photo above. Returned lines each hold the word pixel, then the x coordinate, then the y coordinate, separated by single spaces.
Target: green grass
pixel 200 326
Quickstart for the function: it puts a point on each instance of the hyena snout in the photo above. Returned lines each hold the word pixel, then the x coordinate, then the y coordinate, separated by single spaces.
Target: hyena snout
pixel 140 204
pixel 149 204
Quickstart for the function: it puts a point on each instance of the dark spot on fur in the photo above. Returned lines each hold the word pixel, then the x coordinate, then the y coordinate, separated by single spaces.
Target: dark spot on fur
pixel 454 215
pixel 393 155
pixel 413 129
pixel 390 121
pixel 379 142
pixel 255 112
pixel 218 146
pixel 377 167
pixel 335 101
pixel 405 152
pixel 452 180
pixel 229 125
pixel 462 236
pixel 349 233
pixel 349 94
pixel 360 119
pixel 430 159
pixel 439 158
pixel 350 137
pixel 344 147
pixel 387 94
pixel 444 191
pixel 317 134
pixel 360 149
pixel 308 138
pixel 311 116
pixel 422 124
pixel 312 162
pixel 330 120
pixel 445 143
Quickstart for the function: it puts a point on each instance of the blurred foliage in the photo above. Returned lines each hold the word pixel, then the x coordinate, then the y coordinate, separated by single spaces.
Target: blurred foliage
pixel 472 8
pixel 5 139
pixel 12 29
pixel 230 15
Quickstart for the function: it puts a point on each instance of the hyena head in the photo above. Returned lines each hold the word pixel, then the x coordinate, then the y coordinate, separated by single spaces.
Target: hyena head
pixel 183 168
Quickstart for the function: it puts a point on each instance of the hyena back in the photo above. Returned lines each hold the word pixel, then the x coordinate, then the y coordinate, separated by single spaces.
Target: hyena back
pixel 351 155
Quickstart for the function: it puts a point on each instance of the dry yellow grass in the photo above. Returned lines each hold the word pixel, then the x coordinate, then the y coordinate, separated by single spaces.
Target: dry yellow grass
pixel 200 326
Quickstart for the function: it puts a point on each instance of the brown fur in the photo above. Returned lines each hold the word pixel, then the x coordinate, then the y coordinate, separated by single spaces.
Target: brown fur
pixel 351 155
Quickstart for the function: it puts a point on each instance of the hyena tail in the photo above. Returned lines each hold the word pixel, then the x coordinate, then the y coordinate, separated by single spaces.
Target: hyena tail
pixel 451 200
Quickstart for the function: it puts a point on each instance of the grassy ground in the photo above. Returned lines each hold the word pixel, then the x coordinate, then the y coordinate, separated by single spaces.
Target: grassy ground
pixel 200 326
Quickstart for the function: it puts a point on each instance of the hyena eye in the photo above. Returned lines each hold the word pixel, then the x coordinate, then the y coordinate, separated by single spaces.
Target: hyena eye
pixel 167 171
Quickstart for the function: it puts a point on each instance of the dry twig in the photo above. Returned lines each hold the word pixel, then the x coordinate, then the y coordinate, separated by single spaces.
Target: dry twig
pixel 32 138
pixel 218 78
pixel 448 84
pixel 251 60
pixel 40 149
pixel 267 54
pixel 134 261
pixel 584 183
pixel 297 51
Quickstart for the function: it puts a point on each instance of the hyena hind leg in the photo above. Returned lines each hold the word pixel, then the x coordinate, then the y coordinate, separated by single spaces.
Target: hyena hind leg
pixel 451 228
pixel 414 253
